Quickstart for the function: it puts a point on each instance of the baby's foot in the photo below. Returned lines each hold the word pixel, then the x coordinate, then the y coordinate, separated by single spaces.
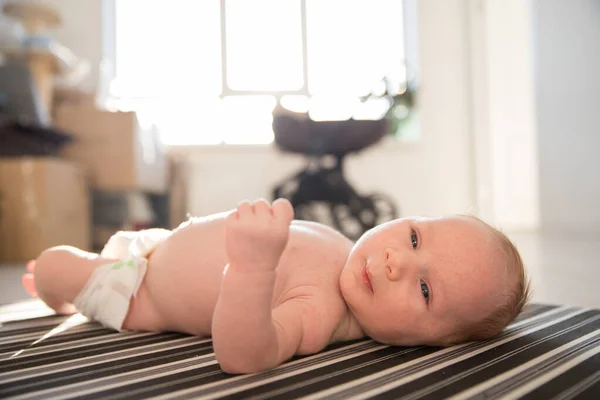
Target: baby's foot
pixel 28 279
pixel 256 234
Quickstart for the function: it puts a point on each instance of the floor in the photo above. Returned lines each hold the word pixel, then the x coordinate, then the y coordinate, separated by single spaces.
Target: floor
pixel 10 283
pixel 564 269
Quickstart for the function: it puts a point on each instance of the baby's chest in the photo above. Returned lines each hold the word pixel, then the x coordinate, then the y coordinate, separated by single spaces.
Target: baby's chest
pixel 301 271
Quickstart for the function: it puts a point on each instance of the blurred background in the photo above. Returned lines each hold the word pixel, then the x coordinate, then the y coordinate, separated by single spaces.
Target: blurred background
pixel 126 114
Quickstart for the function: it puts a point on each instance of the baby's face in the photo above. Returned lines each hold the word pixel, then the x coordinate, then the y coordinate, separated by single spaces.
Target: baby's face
pixel 416 280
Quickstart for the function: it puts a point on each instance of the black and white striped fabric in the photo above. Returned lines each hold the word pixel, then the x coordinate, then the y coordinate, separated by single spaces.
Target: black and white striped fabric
pixel 548 352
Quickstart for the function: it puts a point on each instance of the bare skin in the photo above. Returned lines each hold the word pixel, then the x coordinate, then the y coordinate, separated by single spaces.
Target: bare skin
pixel 284 267
pixel 266 287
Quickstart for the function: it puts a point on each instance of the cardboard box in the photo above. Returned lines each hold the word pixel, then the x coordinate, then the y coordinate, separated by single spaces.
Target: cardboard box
pixel 117 151
pixel 178 192
pixel 62 96
pixel 44 202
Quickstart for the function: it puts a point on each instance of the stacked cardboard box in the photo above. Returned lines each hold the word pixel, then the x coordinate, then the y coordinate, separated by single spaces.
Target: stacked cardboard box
pixel 124 162
pixel 116 150
pixel 44 202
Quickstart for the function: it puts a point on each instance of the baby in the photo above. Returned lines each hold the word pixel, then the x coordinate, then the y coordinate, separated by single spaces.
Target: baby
pixel 267 287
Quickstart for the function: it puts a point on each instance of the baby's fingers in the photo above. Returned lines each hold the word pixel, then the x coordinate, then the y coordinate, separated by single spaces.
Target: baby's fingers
pixel 261 207
pixel 244 210
pixel 282 209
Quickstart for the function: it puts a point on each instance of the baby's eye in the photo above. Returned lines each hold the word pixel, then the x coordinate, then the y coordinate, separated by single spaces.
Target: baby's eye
pixel 414 239
pixel 425 291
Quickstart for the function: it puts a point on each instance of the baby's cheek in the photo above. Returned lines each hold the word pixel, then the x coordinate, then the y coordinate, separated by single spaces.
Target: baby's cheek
pixel 408 313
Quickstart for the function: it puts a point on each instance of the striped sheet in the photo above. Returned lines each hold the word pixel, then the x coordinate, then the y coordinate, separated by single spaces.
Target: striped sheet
pixel 548 352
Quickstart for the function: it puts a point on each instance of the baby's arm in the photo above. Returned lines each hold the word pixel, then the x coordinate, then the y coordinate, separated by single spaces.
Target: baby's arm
pixel 248 335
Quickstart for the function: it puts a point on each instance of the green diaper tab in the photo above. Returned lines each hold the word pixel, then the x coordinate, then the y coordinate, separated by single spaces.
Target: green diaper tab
pixel 122 264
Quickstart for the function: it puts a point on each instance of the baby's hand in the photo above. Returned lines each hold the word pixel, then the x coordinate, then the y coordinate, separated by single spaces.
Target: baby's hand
pixel 256 234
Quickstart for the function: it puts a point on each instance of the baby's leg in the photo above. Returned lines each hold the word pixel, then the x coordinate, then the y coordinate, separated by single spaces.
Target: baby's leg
pixel 59 274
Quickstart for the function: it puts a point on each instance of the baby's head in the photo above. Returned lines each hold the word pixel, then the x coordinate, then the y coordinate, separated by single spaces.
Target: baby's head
pixel 435 281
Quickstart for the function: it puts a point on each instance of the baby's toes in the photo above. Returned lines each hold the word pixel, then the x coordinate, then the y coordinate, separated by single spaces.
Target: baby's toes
pixel 31 266
pixel 29 284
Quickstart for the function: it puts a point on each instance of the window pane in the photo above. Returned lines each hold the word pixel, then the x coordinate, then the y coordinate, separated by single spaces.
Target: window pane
pixel 248 119
pixel 188 121
pixel 168 47
pixel 232 120
pixel 333 108
pixel 264 45
pixel 352 44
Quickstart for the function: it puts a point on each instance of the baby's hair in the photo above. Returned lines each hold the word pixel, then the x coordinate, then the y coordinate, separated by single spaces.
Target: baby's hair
pixel 517 297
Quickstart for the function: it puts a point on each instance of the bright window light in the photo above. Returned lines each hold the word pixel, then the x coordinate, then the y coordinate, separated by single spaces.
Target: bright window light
pixel 169 59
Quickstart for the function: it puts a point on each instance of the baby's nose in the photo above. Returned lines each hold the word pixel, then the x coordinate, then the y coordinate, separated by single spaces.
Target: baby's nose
pixel 396 263
pixel 391 255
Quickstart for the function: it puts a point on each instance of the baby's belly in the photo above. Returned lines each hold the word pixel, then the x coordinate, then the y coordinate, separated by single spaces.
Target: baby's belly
pixel 184 298
pixel 184 278
pixel 185 272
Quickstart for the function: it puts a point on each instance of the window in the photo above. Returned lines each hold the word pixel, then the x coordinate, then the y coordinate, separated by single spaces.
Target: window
pixel 212 71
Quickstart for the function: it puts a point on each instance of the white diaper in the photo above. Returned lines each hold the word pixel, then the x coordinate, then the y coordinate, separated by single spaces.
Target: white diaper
pixel 107 294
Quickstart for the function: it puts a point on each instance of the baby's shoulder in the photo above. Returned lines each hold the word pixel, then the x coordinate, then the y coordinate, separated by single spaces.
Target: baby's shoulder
pixel 315 249
pixel 315 252
pixel 314 231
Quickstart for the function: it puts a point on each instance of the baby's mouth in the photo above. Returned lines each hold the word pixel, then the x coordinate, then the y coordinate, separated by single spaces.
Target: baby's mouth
pixel 367 278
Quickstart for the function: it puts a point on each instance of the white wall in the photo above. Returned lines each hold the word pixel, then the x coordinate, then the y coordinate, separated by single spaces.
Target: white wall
pixel 504 115
pixel 536 92
pixel 567 50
